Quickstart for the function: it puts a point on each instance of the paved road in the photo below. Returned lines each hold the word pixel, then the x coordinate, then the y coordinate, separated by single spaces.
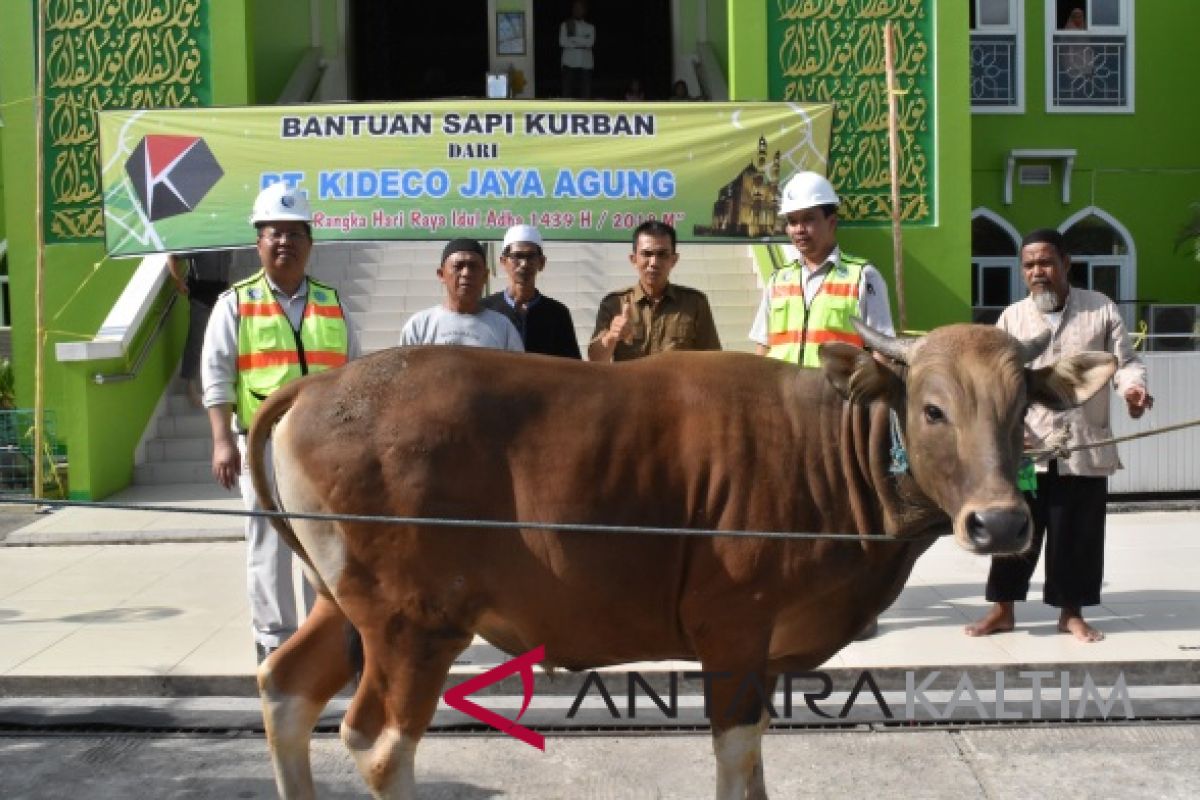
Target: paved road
pixel 1093 761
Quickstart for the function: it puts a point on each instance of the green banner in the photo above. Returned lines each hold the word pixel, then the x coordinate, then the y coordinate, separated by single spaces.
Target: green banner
pixel 182 179
pixel 111 55
pixel 833 52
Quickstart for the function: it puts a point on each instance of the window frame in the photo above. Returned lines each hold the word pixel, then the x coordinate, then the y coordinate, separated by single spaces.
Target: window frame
pixel 1126 263
pixel 1016 283
pixel 1015 28
pixel 1053 32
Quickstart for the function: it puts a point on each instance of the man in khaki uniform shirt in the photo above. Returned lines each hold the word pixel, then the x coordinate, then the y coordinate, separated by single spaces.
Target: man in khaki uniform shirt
pixel 654 314
pixel 1069 503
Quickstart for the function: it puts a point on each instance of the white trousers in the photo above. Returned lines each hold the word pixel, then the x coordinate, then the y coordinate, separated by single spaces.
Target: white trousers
pixel 269 562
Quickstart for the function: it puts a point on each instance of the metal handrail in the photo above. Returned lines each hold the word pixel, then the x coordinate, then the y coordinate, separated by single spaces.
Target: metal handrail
pixel 117 377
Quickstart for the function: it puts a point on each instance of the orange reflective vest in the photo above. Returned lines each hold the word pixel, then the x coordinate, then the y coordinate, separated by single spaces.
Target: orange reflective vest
pixel 797 327
pixel 271 353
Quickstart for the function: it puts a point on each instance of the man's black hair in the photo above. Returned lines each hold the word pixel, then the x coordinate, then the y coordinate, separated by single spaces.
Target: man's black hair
pixel 655 228
pixel 1048 236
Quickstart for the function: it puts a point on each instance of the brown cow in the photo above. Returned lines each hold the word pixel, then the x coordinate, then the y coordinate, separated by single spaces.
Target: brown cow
pixel 705 440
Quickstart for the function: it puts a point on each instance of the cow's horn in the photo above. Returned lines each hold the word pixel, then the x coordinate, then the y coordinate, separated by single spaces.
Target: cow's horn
pixel 897 348
pixel 1032 348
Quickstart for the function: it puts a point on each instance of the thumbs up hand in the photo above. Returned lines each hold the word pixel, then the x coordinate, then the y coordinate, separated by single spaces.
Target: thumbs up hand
pixel 622 324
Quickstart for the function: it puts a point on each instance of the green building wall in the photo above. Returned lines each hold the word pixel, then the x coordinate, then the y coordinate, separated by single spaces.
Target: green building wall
pixel 936 256
pixel 254 47
pixel 1141 168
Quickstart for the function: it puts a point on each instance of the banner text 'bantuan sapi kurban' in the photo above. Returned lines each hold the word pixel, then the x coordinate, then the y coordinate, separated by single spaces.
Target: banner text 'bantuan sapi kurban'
pixel 186 179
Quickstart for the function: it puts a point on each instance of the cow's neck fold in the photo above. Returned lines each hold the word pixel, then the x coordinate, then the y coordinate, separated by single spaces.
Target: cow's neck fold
pixel 900 507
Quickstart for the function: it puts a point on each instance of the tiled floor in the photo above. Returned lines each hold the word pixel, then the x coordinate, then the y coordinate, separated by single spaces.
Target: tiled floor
pixel 180 609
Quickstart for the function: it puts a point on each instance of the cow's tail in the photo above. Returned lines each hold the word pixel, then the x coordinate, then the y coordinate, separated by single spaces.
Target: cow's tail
pixel 269 413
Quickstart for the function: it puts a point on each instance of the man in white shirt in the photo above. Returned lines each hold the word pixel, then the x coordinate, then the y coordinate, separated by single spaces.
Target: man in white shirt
pixel 1070 500
pixel 461 318
pixel 809 301
pixel 577 38
pixel 266 331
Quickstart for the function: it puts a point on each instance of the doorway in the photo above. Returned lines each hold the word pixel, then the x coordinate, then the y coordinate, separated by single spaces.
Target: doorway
pixel 417 51
pixel 633 40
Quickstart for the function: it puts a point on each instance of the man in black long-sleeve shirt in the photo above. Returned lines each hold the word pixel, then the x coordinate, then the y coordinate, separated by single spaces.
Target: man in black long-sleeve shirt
pixel 544 323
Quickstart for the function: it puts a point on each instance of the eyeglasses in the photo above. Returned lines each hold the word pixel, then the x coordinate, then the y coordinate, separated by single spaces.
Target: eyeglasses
pixel 279 237
pixel 523 257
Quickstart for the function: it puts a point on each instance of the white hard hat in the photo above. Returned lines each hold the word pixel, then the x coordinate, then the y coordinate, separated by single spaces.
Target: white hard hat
pixel 522 233
pixel 806 190
pixel 281 203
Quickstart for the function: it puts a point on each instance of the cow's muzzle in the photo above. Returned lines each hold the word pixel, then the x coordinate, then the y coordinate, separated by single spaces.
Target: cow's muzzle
pixel 998 530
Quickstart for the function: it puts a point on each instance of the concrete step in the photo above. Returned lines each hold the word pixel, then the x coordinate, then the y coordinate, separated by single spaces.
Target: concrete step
pixel 188 426
pixel 158 473
pixel 173 450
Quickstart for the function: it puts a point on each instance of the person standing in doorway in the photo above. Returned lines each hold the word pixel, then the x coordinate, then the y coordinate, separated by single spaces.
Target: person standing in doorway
pixel 577 37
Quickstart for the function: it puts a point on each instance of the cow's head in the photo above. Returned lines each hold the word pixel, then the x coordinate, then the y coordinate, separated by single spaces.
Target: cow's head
pixel 961 392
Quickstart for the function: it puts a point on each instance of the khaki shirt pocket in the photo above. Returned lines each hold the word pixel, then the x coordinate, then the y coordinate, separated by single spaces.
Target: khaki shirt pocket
pixel 681 335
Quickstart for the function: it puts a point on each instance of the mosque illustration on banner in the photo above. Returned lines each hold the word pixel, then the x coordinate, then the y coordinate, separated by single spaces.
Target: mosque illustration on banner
pixel 748 205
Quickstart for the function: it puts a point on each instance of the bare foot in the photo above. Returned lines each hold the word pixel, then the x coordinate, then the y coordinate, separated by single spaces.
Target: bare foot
pixel 1072 622
pixel 999 619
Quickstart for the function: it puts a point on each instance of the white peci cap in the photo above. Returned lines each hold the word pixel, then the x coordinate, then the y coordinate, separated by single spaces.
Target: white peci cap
pixel 522 233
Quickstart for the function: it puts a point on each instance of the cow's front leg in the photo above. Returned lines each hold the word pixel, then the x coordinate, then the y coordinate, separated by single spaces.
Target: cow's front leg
pixel 295 684
pixel 757 790
pixel 739 711
pixel 739 761
pixel 403 674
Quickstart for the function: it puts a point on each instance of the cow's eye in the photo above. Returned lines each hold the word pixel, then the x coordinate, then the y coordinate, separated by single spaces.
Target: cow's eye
pixel 933 414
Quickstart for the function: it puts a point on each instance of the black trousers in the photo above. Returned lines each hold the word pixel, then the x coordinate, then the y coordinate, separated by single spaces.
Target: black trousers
pixel 1068 513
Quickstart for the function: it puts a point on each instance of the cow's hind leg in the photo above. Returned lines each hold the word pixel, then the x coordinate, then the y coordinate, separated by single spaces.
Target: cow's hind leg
pixel 395 702
pixel 295 683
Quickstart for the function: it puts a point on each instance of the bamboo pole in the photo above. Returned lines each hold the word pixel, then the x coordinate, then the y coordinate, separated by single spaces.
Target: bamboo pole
pixel 889 57
pixel 39 325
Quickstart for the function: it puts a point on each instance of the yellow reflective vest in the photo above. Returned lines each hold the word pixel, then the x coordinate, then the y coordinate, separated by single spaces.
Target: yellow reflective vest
pixel 271 353
pixel 796 327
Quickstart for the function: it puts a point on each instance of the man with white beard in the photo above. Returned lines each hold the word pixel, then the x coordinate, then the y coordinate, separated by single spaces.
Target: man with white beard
pixel 1068 504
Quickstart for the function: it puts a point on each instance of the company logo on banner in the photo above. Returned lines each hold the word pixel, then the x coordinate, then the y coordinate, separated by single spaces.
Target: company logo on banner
pixel 183 179
pixel 171 174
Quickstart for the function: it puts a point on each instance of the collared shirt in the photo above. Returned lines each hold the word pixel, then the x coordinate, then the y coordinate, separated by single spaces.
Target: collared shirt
pixel 577 47
pixel 872 298
pixel 680 320
pixel 219 360
pixel 1089 321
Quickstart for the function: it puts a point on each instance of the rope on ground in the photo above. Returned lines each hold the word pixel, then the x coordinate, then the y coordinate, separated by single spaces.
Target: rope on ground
pixel 562 527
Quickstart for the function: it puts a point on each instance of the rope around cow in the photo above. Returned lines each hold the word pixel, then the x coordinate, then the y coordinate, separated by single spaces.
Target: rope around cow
pixel 441 522
pixel 1056 451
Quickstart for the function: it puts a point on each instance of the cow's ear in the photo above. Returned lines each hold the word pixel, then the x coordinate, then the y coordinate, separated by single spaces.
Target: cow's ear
pixel 855 373
pixel 1070 381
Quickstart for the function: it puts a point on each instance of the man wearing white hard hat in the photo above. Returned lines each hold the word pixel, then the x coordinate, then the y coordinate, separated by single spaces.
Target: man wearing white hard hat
pixel 810 300
pixel 265 332
pixel 544 323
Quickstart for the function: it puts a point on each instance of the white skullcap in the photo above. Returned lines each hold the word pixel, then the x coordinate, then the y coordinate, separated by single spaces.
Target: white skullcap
pixel 522 233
